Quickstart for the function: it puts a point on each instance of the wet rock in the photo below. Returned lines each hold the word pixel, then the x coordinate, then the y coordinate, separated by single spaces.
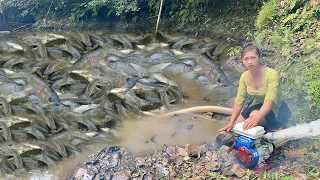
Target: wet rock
pixel 219 116
pixel 196 151
pixel 186 158
pixel 182 152
pixel 100 164
pixel 209 154
pixel 187 174
pixel 81 173
pixel 199 178
pixel 238 170
pixel 199 166
pixel 148 176
pixel 171 151
pixel 224 158
pixel 140 162
pixel 235 63
pixel 120 176
pixel 163 170
pixel 227 172
pixel 173 174
pixel 212 165
pixel 208 114
pixel 135 175
pixel 224 138
pixel 165 162
pixel 179 161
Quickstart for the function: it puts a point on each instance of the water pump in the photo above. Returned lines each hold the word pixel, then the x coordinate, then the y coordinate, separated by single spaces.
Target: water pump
pixel 251 149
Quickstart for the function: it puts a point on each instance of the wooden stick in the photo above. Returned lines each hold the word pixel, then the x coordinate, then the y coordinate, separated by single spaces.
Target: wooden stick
pixel 159 17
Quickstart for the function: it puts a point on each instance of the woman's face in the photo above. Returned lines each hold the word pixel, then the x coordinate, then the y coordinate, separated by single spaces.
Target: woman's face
pixel 251 60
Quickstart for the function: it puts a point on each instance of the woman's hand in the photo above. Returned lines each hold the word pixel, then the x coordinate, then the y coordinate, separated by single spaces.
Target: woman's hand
pixel 227 128
pixel 250 123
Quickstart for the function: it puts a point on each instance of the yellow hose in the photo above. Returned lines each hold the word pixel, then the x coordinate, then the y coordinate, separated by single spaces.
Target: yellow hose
pixel 200 109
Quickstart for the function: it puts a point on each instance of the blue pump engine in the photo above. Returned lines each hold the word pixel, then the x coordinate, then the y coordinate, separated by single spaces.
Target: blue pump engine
pixel 250 148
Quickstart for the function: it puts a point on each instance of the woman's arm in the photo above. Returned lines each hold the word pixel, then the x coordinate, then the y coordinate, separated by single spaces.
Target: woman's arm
pixel 238 103
pixel 264 110
pixel 256 119
pixel 235 113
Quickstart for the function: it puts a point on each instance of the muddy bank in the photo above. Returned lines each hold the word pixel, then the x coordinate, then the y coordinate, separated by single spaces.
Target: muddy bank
pixel 167 162
pixel 203 161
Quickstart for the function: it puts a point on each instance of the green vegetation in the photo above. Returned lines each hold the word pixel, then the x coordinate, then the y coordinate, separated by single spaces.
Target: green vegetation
pixel 217 176
pixel 290 29
pixel 312 144
pixel 273 176
pixel 264 176
pixel 234 51
pixel 183 11
pixel 312 171
pixel 266 14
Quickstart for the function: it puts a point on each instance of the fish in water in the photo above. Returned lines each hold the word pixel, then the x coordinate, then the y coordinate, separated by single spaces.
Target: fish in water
pixel 215 73
pixel 108 150
pixel 153 138
pixel 59 90
pixel 189 127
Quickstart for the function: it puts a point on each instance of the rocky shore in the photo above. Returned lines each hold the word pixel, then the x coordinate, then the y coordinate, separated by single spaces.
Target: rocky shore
pixel 204 161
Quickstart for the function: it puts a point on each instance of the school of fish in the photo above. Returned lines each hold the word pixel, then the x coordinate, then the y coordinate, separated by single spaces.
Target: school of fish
pixel 59 90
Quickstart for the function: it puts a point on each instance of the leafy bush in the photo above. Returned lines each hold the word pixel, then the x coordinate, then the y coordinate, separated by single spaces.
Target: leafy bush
pixel 313 84
pixel 117 7
pixel 267 13
pixel 179 10
pixel 234 51
pixel 183 10
pixel 290 29
pixel 61 8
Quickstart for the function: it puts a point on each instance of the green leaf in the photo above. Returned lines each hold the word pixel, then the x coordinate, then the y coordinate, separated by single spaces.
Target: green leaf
pixel 292 4
pixel 290 17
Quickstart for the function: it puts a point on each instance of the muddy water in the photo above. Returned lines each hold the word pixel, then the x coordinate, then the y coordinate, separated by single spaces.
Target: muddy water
pixel 149 133
pixel 143 136
pixel 196 95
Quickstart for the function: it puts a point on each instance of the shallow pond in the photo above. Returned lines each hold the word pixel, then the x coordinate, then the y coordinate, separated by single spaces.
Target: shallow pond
pixel 181 61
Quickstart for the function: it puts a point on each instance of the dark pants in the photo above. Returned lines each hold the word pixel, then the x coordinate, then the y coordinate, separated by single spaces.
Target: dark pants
pixel 272 122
